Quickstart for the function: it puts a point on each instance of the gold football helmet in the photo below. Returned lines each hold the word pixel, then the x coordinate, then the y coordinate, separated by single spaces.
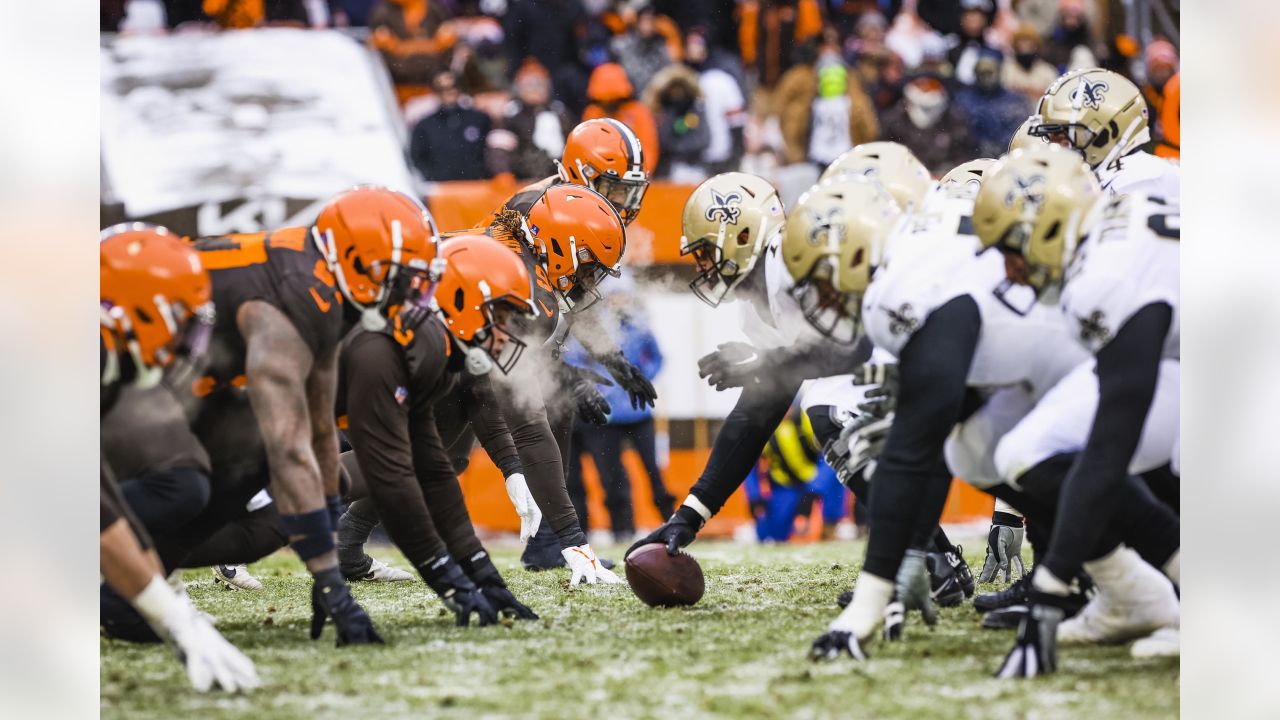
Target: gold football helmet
pixel 727 221
pixel 1098 113
pixel 834 238
pixel 888 163
pixel 965 180
pixel 1032 205
pixel 1022 137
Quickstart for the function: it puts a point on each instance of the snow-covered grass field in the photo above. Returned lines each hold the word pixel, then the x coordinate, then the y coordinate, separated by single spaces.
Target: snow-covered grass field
pixel 599 653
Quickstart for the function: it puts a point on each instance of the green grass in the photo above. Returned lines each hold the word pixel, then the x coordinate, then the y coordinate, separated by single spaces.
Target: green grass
pixel 599 653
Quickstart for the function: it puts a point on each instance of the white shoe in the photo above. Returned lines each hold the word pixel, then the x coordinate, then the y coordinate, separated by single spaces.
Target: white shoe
pixel 1165 642
pixel 235 577
pixel 1133 599
pixel 382 572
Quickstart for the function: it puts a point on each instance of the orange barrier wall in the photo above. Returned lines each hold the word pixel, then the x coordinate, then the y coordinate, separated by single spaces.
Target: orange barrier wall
pixel 490 509
pixel 654 237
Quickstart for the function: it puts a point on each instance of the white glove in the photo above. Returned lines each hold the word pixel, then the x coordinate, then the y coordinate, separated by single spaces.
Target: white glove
pixel 208 657
pixel 526 508
pixel 586 566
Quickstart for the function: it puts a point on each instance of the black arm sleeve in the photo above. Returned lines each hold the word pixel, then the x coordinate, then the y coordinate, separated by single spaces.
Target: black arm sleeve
pixel 933 369
pixel 378 427
pixel 489 424
pixel 742 438
pixel 1128 368
pixel 812 362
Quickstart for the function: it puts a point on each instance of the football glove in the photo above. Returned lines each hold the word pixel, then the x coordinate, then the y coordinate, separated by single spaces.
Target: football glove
pixel 444 575
pixel 582 384
pixel 526 508
pixel 831 645
pixel 207 656
pixel 631 379
pixel 678 531
pixel 331 598
pixel 485 575
pixel 586 567
pixel 733 364
pixel 883 398
pixel 912 586
pixel 1035 652
pixel 865 437
pixel 1004 553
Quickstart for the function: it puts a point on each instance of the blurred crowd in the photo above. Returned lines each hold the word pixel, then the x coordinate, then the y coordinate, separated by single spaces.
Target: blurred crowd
pixel 491 87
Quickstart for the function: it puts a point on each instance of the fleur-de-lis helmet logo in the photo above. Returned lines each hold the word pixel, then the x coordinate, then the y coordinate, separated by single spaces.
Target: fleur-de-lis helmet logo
pixel 820 229
pixel 1029 190
pixel 1089 93
pixel 724 208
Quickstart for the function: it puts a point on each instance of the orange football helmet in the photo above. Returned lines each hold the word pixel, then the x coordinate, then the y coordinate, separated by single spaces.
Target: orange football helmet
pixel 368 235
pixel 606 156
pixel 156 298
pixel 481 294
pixel 581 239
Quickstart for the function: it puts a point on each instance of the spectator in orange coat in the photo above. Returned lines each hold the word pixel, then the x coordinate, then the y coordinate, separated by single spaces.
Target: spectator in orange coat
pixel 612 96
pixel 1170 140
pixel 1162 92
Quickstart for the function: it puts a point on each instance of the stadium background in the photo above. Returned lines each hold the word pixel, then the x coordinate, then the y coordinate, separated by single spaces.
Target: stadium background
pixel 238 115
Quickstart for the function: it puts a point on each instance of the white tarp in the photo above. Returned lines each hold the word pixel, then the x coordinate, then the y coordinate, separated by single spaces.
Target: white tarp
pixel 190 119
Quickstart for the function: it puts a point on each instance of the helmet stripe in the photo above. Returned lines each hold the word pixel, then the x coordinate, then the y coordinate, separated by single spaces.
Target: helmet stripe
pixel 635 152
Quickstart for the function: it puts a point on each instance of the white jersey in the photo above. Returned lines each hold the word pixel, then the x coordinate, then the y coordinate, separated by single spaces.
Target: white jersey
pixel 1128 261
pixel 784 325
pixel 1142 172
pixel 934 258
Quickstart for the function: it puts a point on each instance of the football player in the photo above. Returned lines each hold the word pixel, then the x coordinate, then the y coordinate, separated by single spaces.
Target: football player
pixel 390 381
pixel 155 309
pixel 1102 116
pixel 1110 265
pixel 287 298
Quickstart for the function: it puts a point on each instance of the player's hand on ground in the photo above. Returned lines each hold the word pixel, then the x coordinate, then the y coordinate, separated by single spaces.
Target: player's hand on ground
pixel 1004 553
pixel 678 531
pixel 502 600
pixel 630 378
pixel 1035 652
pixel 733 364
pixel 207 656
pixel 835 644
pixel 526 508
pixel 331 598
pixel 912 586
pixel 457 591
pixel 586 567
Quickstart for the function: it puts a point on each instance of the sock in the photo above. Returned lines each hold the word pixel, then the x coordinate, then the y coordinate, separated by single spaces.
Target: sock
pixel 866 610
pixel 354 528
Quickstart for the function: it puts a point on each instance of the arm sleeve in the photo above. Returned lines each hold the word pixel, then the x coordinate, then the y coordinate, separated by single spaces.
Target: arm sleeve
pixel 810 362
pixel 933 368
pixel 378 427
pixel 1128 368
pixel 489 424
pixel 742 438
pixel 439 484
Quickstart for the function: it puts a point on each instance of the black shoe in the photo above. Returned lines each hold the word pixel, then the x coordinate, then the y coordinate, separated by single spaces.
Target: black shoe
pixel 949 577
pixel 844 598
pixel 120 621
pixel 542 551
pixel 1006 618
pixel 1015 594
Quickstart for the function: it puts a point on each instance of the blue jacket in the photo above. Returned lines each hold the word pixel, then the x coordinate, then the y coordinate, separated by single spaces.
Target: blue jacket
pixel 640 347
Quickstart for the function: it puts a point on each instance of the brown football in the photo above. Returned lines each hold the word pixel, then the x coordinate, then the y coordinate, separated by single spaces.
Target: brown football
pixel 662 580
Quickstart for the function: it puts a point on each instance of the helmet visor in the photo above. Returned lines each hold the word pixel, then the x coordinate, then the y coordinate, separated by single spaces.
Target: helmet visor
pixel 1073 135
pixel 835 315
pixel 625 194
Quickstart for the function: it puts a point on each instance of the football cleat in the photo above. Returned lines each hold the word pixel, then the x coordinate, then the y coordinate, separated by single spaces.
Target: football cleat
pixel 382 572
pixel 950 577
pixel 1015 594
pixel 1165 642
pixel 235 577
pixel 1131 607
pixel 1005 618
pixel 844 598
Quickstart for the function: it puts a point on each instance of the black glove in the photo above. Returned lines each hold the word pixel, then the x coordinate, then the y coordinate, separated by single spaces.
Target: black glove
pixel 456 591
pixel 733 364
pixel 485 575
pixel 677 532
pixel 834 643
pixel 591 404
pixel 882 399
pixel 331 598
pixel 631 379
pixel 1036 650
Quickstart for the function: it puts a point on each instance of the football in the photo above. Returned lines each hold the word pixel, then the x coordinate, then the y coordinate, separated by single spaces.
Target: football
pixel 662 580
